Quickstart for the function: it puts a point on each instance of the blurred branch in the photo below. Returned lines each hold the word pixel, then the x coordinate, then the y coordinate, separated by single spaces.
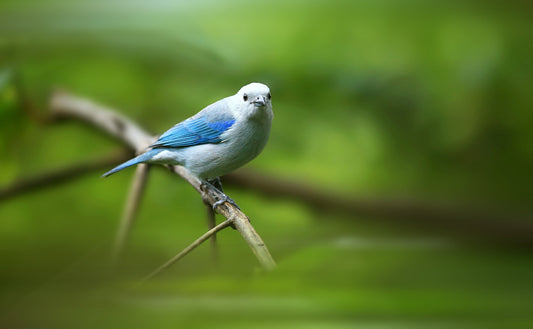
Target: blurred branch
pixel 64 105
pixel 59 176
pixel 130 210
pixel 211 223
pixel 515 228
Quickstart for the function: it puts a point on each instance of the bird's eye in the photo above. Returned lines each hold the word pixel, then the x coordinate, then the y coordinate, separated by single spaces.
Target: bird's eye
pixel 245 97
pixel 269 96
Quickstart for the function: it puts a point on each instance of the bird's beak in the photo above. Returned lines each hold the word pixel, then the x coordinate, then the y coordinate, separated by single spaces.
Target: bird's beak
pixel 259 101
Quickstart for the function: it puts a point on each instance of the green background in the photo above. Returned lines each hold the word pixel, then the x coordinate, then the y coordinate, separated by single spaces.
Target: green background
pixel 379 100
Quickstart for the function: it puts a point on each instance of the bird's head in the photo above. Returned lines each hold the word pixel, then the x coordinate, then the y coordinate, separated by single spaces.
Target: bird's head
pixel 255 99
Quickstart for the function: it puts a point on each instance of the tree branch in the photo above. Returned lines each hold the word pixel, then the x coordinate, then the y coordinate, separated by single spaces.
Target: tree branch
pixel 66 105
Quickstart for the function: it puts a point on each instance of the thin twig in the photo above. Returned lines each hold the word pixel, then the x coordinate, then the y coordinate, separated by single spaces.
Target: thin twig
pixel 130 210
pixel 190 248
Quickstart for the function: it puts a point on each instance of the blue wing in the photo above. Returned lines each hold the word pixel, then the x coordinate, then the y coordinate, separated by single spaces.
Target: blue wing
pixel 194 131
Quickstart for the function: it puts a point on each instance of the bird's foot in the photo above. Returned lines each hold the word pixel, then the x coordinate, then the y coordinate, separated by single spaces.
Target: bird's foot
pixel 217 185
pixel 225 198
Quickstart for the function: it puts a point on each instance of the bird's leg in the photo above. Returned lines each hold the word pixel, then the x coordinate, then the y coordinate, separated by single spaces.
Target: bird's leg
pixel 217 185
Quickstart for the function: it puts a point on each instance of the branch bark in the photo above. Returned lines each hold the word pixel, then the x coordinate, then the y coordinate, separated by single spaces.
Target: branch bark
pixel 65 105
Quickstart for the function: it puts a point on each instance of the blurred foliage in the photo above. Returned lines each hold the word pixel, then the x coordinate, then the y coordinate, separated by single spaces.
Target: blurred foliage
pixel 429 100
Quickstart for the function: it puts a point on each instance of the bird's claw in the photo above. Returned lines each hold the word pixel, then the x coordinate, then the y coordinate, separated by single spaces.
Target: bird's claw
pixel 225 198
pixel 217 185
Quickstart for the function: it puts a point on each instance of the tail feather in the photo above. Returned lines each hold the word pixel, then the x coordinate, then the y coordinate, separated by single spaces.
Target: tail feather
pixel 138 159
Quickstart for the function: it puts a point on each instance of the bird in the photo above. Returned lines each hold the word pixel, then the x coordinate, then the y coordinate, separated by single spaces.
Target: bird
pixel 215 141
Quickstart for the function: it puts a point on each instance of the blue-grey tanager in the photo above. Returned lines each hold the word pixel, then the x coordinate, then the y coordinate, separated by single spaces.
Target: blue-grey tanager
pixel 217 140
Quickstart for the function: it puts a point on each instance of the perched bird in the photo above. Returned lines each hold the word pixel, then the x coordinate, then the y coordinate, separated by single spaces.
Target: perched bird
pixel 217 140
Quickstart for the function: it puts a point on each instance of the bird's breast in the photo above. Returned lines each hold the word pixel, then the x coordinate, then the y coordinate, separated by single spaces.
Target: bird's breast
pixel 240 144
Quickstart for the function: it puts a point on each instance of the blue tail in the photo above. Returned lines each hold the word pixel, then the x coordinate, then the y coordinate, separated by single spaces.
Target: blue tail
pixel 138 159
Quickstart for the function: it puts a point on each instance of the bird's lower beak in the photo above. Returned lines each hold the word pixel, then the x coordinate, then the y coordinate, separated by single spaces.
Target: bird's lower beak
pixel 259 101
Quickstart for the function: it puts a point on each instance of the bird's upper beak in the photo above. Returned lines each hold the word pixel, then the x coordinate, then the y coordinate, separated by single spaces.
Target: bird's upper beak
pixel 259 100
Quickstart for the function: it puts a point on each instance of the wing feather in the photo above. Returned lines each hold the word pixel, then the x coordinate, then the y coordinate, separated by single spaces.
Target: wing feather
pixel 193 131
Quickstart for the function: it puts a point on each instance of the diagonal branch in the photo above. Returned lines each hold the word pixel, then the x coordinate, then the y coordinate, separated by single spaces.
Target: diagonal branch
pixel 190 248
pixel 65 105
